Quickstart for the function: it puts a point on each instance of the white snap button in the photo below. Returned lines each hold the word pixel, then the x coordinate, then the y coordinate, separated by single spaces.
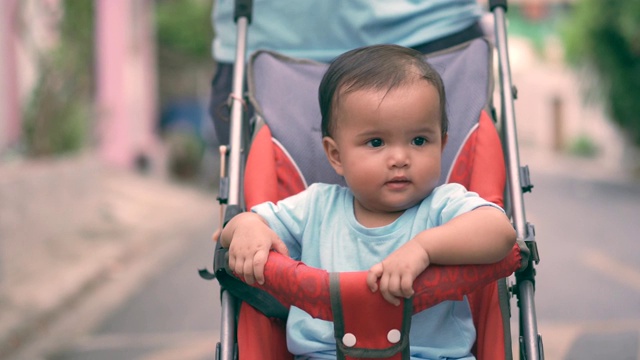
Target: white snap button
pixel 393 336
pixel 349 340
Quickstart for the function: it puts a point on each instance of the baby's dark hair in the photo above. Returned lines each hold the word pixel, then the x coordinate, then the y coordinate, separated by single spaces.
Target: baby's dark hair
pixel 377 67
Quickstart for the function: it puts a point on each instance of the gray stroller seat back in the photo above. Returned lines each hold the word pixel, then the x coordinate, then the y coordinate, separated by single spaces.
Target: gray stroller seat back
pixel 284 92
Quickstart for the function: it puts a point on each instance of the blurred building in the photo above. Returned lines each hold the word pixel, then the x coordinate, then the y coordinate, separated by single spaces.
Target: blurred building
pixel 551 112
pixel 126 80
pixel 124 113
pixel 9 98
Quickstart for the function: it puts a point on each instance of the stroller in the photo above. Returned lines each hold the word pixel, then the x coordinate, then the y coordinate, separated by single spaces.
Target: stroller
pixel 278 153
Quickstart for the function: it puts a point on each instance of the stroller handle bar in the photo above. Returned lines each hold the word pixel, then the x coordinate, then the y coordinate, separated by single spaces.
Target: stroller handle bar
pixel 243 9
pixel 497 3
pixel 242 16
pixel 517 182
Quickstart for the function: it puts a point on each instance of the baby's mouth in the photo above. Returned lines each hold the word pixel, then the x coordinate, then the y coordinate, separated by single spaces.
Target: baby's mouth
pixel 397 182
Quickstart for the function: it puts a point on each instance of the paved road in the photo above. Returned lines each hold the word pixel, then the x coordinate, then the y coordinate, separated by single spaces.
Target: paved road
pixel 588 285
pixel 174 315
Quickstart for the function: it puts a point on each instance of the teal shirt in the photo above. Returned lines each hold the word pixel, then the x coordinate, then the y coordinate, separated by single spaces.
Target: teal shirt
pixel 320 229
pixel 323 29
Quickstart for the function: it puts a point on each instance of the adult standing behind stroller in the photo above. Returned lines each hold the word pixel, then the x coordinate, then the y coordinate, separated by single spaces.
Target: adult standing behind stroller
pixel 322 30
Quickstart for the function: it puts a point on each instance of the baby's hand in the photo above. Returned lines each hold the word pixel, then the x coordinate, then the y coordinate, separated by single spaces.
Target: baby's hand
pixel 251 241
pixel 397 272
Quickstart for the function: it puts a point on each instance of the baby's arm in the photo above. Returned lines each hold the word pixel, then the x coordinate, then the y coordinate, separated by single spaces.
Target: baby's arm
pixel 249 239
pixel 482 236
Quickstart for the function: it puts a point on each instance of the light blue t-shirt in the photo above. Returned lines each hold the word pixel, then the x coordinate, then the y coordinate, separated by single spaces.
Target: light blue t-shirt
pixel 319 228
pixel 323 29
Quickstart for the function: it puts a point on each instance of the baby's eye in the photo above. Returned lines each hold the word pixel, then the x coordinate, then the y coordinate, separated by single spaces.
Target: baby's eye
pixel 375 142
pixel 418 141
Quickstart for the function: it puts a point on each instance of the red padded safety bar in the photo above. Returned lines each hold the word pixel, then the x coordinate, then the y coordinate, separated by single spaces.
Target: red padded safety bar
pixel 294 283
pixel 365 324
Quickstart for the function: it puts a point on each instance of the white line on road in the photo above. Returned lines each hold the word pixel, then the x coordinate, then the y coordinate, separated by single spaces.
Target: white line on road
pixel 121 341
pixel 627 275
pixel 195 349
pixel 559 337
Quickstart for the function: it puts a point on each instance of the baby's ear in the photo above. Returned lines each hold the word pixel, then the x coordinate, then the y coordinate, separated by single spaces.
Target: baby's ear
pixel 333 154
pixel 445 137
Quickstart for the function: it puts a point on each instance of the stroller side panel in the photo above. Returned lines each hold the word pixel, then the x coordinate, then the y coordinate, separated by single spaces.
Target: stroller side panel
pixel 260 337
pixel 480 168
pixel 270 173
pixel 479 165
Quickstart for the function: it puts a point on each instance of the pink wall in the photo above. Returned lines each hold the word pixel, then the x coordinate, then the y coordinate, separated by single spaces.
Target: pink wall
pixel 126 99
pixel 126 80
pixel 10 128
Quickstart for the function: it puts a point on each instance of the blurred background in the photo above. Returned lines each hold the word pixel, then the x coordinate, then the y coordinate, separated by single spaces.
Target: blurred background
pixel 109 166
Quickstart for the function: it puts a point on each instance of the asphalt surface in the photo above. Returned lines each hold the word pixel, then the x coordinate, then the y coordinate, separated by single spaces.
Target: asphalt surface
pixel 71 228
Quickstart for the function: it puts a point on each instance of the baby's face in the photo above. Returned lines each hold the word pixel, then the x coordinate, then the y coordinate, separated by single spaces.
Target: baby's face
pixel 388 146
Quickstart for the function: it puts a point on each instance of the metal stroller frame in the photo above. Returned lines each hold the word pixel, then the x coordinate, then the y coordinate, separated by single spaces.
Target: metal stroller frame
pixel 518 182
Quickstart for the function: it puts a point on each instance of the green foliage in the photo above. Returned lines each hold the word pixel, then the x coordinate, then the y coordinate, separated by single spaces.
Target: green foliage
pixel 185 154
pixel 537 31
pixel 57 116
pixel 583 146
pixel 184 35
pixel 184 27
pixel 604 37
pixel 56 121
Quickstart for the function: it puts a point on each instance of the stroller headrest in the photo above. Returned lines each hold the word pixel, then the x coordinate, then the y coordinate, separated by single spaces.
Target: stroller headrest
pixel 284 92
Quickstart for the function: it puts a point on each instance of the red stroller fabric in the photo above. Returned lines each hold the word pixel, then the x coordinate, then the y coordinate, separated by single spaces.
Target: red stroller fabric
pixel 270 176
pixel 292 282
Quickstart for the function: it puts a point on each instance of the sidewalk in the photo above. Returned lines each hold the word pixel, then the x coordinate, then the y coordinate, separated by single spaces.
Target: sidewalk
pixel 544 162
pixel 68 225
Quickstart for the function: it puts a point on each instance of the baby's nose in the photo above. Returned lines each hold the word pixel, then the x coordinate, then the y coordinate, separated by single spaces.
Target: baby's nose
pixel 399 158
